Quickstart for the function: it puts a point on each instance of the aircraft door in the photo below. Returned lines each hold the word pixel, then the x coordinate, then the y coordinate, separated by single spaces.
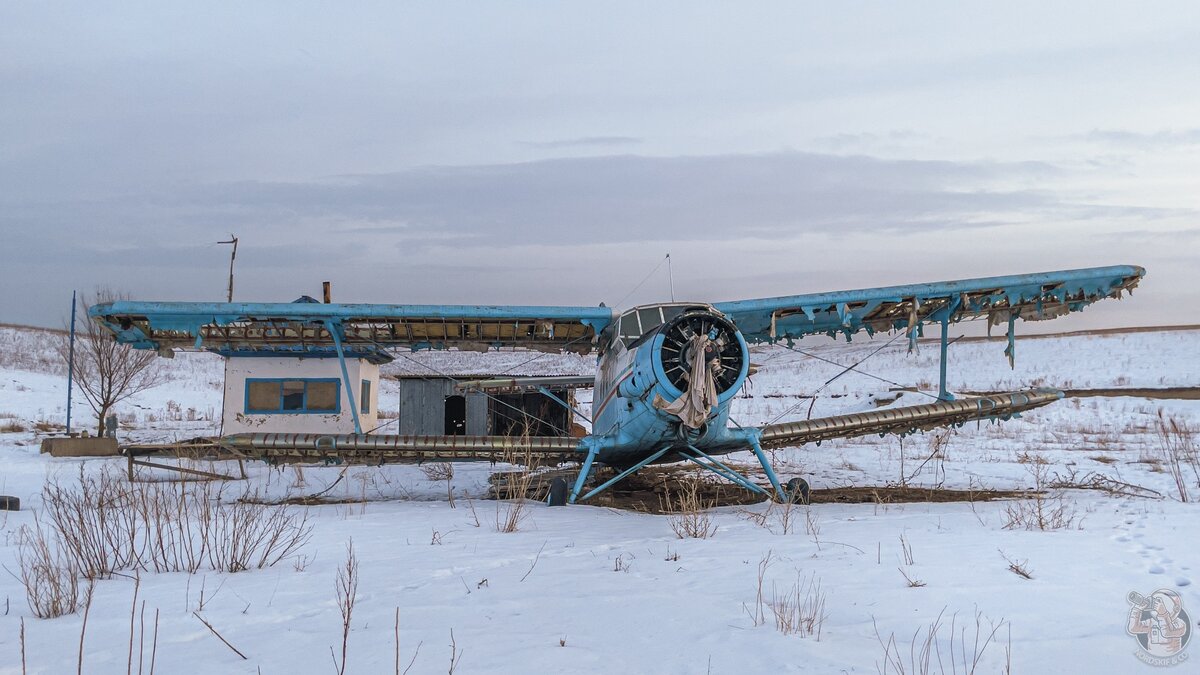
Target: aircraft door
pixel 456 415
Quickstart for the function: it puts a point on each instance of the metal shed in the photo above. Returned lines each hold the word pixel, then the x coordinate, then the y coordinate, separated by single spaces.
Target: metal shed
pixel 460 406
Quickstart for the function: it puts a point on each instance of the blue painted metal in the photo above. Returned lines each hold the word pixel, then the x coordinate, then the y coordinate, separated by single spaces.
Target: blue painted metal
pixel 943 394
pixel 335 333
pixel 280 411
pixel 722 470
pixel 621 476
pixel 766 464
pixel 846 312
pixel 549 394
pixel 593 448
pixel 71 363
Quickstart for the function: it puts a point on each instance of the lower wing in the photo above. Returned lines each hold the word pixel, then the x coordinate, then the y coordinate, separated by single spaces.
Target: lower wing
pixel 907 420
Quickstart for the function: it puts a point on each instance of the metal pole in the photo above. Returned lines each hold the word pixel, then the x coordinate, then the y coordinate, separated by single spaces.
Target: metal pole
pixel 71 363
pixel 670 277
pixel 232 256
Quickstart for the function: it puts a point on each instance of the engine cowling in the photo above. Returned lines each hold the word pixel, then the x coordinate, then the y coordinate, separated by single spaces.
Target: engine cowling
pixel 725 349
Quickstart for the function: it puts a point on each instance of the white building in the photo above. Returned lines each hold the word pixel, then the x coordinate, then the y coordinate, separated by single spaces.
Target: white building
pixel 270 394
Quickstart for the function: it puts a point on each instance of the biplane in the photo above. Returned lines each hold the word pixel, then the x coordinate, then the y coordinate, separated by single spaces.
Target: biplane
pixel 666 373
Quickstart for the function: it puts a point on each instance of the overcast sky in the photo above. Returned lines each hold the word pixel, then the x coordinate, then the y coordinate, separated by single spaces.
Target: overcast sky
pixel 539 153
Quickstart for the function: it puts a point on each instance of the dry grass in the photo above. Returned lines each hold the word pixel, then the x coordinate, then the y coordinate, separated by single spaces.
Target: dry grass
pixel 911 582
pixel 689 519
pixel 800 610
pixel 511 512
pixel 1177 447
pixel 12 426
pixel 956 651
pixel 1020 569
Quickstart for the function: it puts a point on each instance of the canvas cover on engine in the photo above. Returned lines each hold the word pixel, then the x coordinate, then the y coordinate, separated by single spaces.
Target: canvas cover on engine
pixel 1000 300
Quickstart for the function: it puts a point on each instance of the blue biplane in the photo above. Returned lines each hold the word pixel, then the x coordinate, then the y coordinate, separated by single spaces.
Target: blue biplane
pixel 666 373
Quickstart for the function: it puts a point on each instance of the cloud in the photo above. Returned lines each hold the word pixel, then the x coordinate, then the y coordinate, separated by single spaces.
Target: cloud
pixel 432 233
pixel 584 141
pixel 1154 140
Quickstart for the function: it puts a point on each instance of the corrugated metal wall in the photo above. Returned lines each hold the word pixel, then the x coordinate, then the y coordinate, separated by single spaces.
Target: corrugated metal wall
pixel 423 408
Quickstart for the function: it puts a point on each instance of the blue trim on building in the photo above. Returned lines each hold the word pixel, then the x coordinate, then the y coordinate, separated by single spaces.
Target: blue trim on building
pixel 337 409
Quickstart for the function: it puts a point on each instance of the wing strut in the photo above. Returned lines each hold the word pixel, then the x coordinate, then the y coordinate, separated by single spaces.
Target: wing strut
pixel 944 395
pixel 341 355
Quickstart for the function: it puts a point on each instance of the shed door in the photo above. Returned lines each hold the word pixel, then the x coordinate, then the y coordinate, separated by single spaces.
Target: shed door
pixel 456 416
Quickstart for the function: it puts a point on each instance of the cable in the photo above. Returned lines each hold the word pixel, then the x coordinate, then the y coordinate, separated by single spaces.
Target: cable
pixel 644 280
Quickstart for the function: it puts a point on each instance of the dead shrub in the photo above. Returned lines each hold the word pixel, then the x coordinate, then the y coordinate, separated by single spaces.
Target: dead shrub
pixel 689 519
pixel 50 578
pixel 104 525
pixel 1043 511
pixel 439 471
pixel 347 593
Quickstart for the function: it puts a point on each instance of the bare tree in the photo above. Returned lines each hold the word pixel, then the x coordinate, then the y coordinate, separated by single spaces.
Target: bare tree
pixel 106 371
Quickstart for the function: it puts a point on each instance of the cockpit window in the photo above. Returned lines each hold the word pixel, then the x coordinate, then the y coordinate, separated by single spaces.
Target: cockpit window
pixel 639 321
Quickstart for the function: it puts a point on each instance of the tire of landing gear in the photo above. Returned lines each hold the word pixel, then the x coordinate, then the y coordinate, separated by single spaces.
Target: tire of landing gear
pixel 797 491
pixel 9 503
pixel 558 492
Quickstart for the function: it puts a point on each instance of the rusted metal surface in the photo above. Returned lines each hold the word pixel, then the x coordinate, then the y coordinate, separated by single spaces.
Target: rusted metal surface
pixel 395 448
pixel 906 420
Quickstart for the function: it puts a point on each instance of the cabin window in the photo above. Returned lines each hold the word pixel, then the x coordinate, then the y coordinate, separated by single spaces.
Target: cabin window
pixel 365 399
pixel 279 396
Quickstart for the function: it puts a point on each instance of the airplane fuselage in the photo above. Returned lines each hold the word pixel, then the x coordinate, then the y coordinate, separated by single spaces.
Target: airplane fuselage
pixel 641 363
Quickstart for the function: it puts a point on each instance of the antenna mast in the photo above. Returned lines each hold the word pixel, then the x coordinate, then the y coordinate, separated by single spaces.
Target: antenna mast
pixel 232 256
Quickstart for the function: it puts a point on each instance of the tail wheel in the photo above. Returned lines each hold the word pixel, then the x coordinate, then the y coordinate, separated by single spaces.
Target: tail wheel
pixel 558 492
pixel 724 346
pixel 797 491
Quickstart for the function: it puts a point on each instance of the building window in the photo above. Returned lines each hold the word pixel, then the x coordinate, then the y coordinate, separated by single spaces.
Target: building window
pixel 365 401
pixel 292 396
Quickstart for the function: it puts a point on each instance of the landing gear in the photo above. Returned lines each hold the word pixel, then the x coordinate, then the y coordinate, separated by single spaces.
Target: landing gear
pixel 797 491
pixel 559 492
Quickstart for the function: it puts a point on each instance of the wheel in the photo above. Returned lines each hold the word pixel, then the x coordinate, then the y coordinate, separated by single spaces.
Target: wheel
pixel 558 492
pixel 797 491
pixel 9 503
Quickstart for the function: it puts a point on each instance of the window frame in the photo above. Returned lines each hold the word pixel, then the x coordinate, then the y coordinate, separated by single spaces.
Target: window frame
pixel 304 410
pixel 364 393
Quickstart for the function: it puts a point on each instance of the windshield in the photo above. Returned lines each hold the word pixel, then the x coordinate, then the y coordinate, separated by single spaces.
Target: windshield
pixel 638 321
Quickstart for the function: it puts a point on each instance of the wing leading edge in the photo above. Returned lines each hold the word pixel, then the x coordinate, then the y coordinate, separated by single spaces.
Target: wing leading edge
pixel 1031 297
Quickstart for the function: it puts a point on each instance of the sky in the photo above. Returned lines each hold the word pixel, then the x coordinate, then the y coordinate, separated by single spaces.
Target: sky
pixel 539 153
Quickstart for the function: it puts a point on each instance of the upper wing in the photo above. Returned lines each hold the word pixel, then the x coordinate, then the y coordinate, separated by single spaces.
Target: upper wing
pixel 364 330
pixel 1031 297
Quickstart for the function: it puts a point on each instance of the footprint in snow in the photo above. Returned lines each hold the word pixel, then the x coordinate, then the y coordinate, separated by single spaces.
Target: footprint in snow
pixel 1183 581
pixel 1156 569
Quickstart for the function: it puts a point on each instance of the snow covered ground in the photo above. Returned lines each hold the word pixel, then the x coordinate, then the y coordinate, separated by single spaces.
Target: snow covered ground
pixel 597 590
